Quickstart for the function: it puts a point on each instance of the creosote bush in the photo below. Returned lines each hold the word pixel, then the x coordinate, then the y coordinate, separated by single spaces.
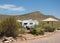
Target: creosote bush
pixel 22 31
pixel 49 28
pixel 9 27
pixel 58 28
pixel 37 31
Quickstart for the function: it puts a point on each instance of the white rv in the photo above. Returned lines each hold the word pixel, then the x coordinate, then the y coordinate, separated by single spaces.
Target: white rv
pixel 29 23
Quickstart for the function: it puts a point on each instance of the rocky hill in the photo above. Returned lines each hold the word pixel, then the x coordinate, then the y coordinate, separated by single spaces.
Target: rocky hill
pixel 33 15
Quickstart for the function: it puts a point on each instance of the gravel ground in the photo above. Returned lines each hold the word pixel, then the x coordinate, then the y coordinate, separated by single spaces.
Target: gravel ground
pixel 55 38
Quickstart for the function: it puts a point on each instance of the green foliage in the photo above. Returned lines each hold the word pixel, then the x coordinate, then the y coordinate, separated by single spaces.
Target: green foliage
pixel 49 28
pixel 58 28
pixel 22 31
pixel 10 27
pixel 37 31
pixel 0 28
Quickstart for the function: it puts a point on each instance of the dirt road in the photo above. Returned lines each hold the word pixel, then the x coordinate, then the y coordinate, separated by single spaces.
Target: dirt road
pixel 55 38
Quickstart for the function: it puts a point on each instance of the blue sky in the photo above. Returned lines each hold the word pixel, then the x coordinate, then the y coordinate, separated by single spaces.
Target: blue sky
pixel 18 7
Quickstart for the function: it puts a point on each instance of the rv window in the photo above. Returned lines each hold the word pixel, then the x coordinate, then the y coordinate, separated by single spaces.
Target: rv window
pixel 25 23
pixel 31 23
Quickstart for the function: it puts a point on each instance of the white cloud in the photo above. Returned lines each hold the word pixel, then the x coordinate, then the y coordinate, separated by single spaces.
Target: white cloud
pixel 12 7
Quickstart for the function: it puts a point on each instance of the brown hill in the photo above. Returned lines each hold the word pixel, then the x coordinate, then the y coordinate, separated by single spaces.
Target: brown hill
pixel 34 15
pixel 3 17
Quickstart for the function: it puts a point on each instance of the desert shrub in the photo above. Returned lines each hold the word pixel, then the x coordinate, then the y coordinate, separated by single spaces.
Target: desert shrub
pixel 37 31
pixel 10 27
pixel 58 28
pixel 0 28
pixel 49 28
pixel 22 30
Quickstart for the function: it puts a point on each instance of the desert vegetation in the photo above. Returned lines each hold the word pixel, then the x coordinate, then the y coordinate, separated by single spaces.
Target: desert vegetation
pixel 11 28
